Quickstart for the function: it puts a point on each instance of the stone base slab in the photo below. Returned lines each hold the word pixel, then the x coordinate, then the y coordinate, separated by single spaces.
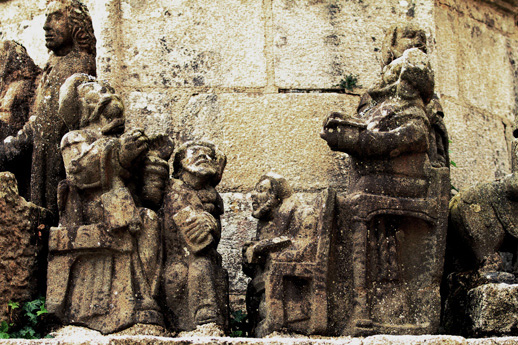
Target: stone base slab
pixel 274 340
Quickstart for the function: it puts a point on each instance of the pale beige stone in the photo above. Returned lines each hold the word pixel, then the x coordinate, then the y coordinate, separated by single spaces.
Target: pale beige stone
pixel 478 145
pixel 473 64
pixel 318 43
pixel 414 340
pixel 261 133
pixel 192 43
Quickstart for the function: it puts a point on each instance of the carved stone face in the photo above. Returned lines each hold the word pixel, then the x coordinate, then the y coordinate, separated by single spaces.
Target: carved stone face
pixel 264 199
pixel 58 33
pixel 200 161
pixel 408 37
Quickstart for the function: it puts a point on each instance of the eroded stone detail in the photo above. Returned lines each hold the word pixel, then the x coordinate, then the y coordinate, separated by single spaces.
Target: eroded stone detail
pixel 195 283
pixel 106 254
pixel 396 205
pixel 70 38
pixel 19 222
pixel 481 259
pixel 288 260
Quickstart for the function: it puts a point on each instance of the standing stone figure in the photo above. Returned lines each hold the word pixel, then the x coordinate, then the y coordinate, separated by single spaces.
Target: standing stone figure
pixel 70 38
pixel 288 261
pixel 397 203
pixel 195 283
pixel 105 256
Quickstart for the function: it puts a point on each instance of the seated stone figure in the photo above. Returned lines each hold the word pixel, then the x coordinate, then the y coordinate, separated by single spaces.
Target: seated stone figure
pixel 195 283
pixel 288 260
pixel 396 205
pixel 105 255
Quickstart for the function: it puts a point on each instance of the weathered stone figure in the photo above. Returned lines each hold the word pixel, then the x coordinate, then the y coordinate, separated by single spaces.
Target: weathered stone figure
pixel 396 207
pixel 18 75
pixel 482 252
pixel 70 38
pixel 105 256
pixel 288 260
pixel 195 283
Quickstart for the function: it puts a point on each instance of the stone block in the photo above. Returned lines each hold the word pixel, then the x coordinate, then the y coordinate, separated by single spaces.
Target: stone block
pixel 473 64
pixel 493 309
pixel 273 132
pixel 414 340
pixel 192 43
pixel 478 145
pixel 318 43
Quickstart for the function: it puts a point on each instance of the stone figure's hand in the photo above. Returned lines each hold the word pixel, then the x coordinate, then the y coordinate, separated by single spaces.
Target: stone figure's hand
pixel 197 228
pixel 133 144
pixel 341 133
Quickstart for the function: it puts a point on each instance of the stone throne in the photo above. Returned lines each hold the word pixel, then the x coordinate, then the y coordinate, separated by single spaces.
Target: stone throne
pixel 396 208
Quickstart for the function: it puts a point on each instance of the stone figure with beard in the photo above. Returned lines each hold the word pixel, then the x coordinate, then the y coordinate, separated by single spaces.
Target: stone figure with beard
pixel 285 233
pixel 195 283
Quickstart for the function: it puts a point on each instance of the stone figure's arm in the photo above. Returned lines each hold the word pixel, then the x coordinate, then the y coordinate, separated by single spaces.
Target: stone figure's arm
pixel 410 137
pixel 13 147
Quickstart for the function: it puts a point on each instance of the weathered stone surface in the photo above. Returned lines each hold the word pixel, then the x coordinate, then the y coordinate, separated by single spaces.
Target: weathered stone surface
pixel 288 260
pixel 421 340
pixel 473 65
pixel 106 253
pixel 396 206
pixel 20 223
pixel 478 144
pixel 193 44
pixel 279 132
pixel 194 281
pixel 238 226
pixel 493 309
pixel 318 43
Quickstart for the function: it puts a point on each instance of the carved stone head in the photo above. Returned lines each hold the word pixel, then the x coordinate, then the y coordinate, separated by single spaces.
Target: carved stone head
pixel 269 193
pixel 95 102
pixel 68 25
pixel 200 159
pixel 400 37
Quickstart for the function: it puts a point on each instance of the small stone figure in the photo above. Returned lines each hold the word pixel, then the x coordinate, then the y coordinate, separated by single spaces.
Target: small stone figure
pixel 70 38
pixel 195 283
pixel 396 206
pixel 105 256
pixel 288 260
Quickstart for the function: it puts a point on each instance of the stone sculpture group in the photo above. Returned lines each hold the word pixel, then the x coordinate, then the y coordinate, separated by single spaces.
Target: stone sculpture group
pixel 131 222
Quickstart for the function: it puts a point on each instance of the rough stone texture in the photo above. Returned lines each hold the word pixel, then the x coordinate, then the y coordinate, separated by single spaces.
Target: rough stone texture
pixel 478 144
pixel 493 308
pixel 246 49
pixel 318 43
pixel 75 336
pixel 18 244
pixel 261 133
pixel 192 44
